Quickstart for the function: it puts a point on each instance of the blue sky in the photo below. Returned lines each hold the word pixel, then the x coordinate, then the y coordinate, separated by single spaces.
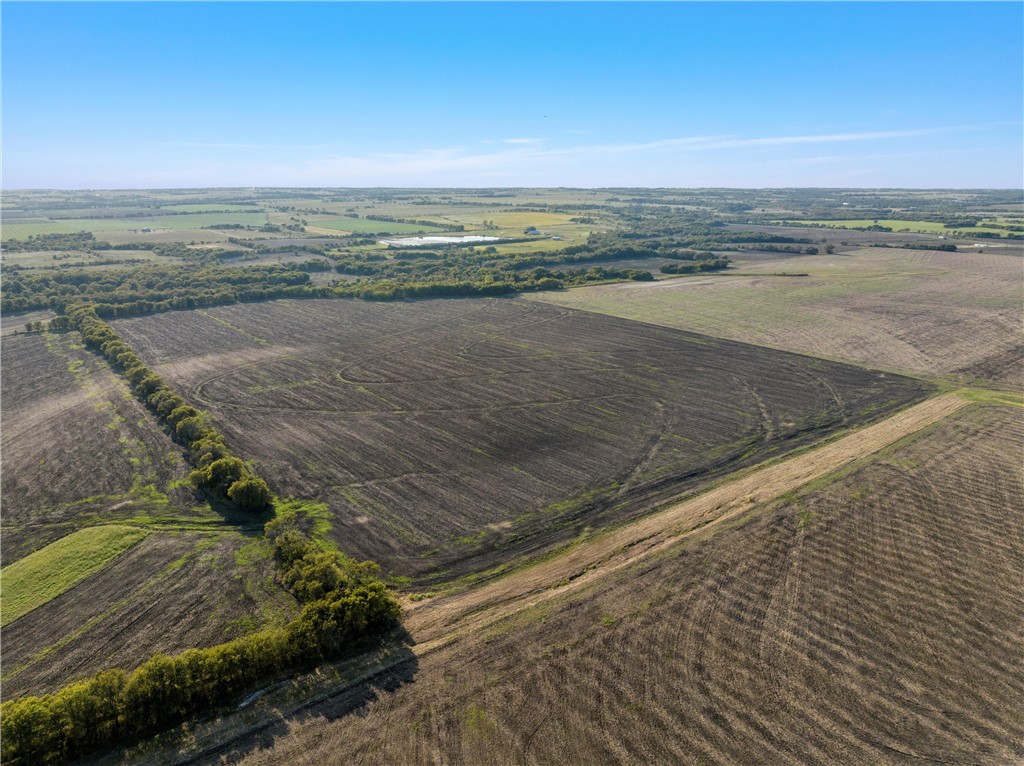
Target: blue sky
pixel 136 95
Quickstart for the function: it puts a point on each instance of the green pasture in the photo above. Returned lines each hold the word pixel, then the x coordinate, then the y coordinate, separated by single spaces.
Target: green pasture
pixel 211 207
pixel 923 227
pixel 164 236
pixel 24 228
pixel 89 212
pixel 42 576
pixel 363 226
pixel 27 227
pixel 73 259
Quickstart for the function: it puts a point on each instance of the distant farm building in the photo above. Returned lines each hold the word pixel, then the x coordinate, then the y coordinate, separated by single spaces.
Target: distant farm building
pixel 530 230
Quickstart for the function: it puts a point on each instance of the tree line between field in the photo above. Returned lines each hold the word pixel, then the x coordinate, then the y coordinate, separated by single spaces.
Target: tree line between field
pixel 225 477
pixel 345 603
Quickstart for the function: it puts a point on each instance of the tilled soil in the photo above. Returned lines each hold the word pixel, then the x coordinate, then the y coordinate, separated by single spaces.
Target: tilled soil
pixel 876 619
pixel 450 436
pixel 167 594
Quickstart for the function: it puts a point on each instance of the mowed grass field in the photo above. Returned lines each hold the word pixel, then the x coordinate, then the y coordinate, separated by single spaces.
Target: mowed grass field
pixel 924 312
pixel 874 617
pixel 451 437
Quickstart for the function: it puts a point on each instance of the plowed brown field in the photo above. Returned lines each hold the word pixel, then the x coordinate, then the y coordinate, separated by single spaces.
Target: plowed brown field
pixel 169 593
pixel 873 619
pixel 451 436
pixel 76 445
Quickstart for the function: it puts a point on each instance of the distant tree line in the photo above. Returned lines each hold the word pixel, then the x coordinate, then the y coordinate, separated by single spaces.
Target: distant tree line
pixel 85 241
pixel 946 247
pixel 80 240
pixel 692 268
pixel 794 249
pixel 151 287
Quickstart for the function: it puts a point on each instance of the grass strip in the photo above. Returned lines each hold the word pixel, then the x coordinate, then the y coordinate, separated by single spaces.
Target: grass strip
pixel 40 577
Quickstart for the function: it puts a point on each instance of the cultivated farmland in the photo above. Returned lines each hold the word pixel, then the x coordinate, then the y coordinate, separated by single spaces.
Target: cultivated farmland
pixel 108 555
pixel 76 445
pixel 615 540
pixel 872 619
pixel 172 591
pixel 918 311
pixel 448 437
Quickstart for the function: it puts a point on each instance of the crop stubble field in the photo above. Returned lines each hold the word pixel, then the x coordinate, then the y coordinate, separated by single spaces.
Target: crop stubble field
pixel 873 618
pixel 925 312
pixel 450 436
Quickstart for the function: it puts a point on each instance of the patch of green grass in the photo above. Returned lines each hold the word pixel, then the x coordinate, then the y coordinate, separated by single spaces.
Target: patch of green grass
pixel 255 550
pixel 992 396
pixel 319 513
pixel 22 229
pixel 927 227
pixel 363 226
pixel 42 576
pixel 478 722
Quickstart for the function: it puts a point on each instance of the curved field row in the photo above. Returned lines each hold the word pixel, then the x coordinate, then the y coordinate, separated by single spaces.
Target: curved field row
pixel 448 436
pixel 875 619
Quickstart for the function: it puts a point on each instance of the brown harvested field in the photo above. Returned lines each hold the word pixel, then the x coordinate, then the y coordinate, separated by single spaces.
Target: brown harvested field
pixel 171 592
pixel 451 436
pixel 875 618
pixel 917 311
pixel 77 447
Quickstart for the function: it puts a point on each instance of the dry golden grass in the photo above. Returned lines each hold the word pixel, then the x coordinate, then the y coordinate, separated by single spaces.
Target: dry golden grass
pixel 917 311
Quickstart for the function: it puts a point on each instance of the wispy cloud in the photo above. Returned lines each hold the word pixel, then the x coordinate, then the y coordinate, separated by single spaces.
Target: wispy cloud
pixel 524 160
pixel 702 143
pixel 521 153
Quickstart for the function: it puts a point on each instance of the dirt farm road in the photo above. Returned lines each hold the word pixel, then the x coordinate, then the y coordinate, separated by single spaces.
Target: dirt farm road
pixel 435 623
